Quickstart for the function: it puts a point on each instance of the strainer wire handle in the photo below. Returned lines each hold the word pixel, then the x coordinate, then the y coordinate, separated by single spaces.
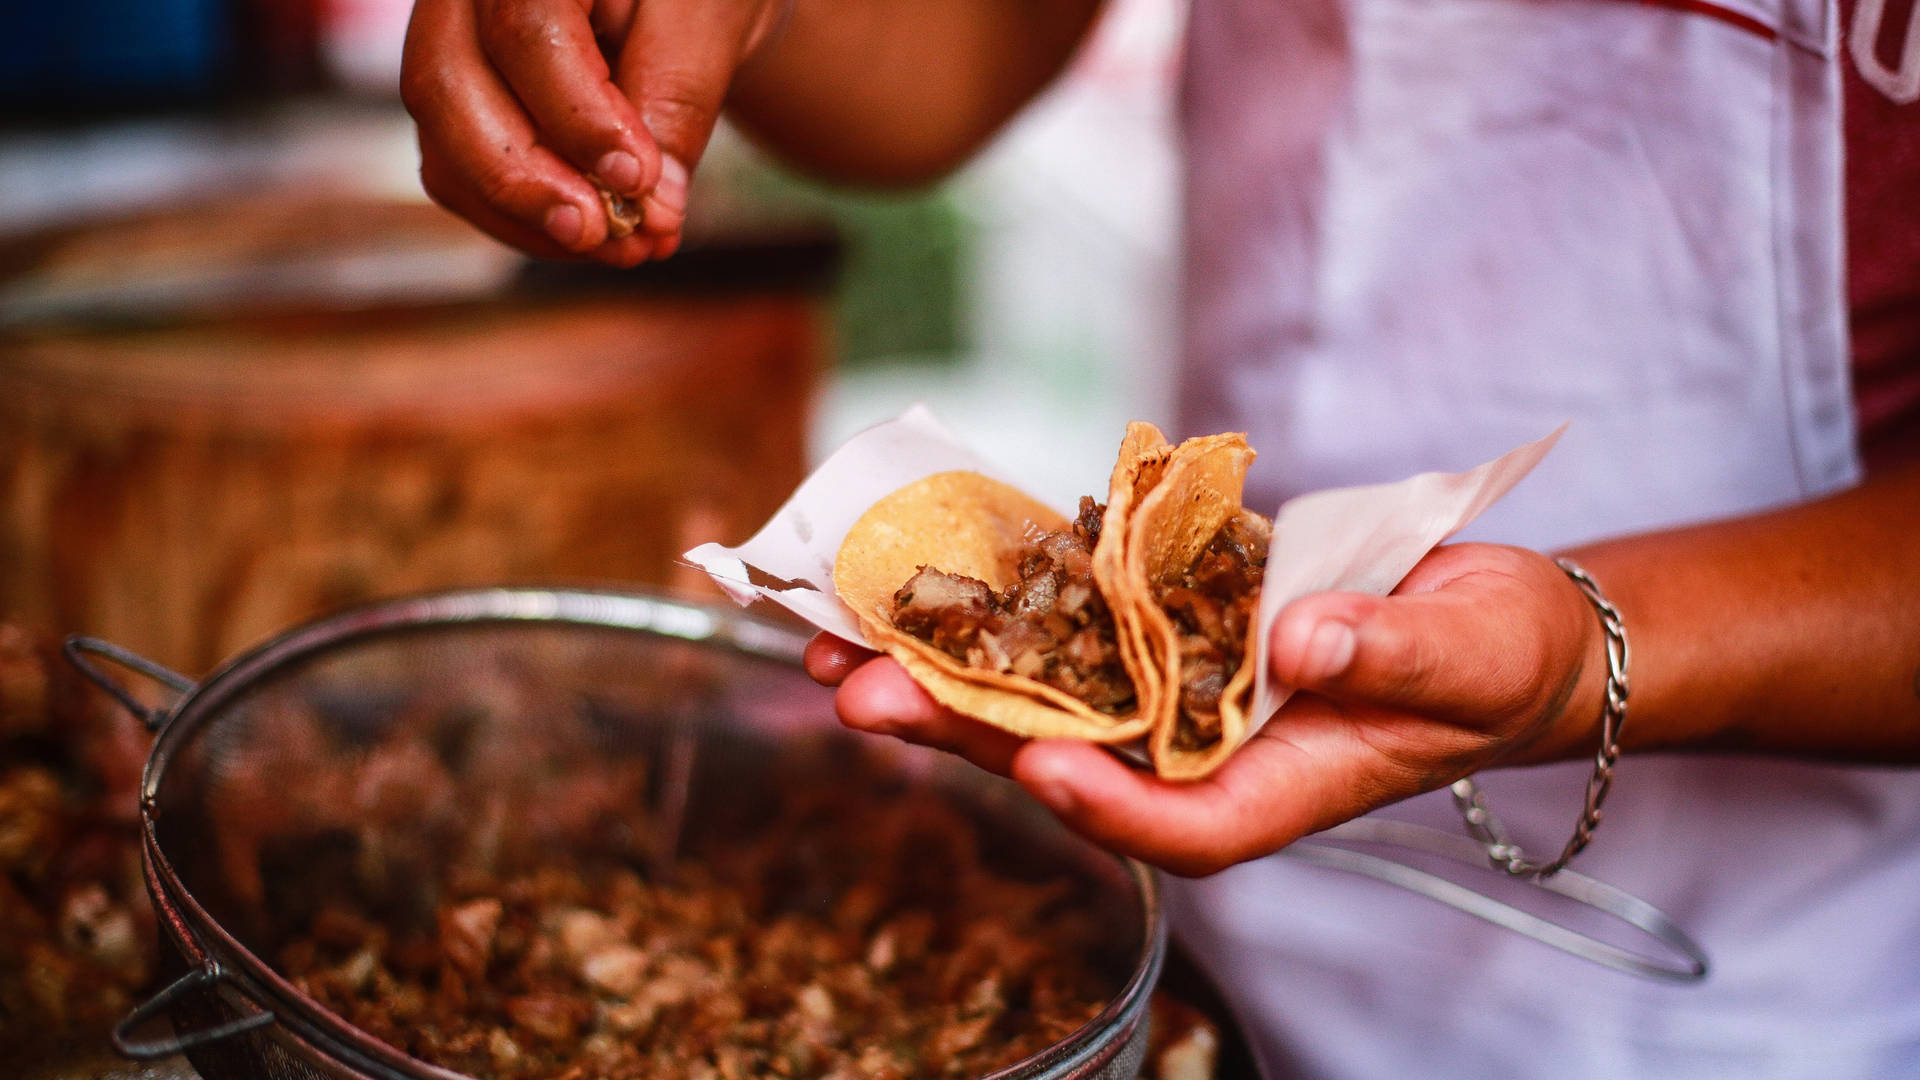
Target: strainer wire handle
pixel 78 646
pixel 200 979
pixel 1687 963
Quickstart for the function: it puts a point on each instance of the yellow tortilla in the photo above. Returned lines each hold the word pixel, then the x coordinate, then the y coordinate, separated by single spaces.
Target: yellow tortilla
pixel 1199 493
pixel 965 523
pixel 1144 454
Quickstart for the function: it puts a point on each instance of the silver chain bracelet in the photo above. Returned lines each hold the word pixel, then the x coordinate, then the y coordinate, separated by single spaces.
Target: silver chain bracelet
pixel 1481 823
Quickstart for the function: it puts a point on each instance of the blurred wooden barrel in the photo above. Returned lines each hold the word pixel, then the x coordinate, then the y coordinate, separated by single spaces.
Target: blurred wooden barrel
pixel 185 486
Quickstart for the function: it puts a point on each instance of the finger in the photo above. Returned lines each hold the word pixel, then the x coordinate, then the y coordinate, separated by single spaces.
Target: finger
pixel 1271 792
pixel 828 658
pixel 447 189
pixel 545 49
pixel 677 64
pixel 1462 653
pixel 612 21
pixel 481 140
pixel 881 698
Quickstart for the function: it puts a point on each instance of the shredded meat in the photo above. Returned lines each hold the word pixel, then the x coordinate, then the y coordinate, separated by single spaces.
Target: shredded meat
pixel 859 934
pixel 1050 624
pixel 1212 606
pixel 947 610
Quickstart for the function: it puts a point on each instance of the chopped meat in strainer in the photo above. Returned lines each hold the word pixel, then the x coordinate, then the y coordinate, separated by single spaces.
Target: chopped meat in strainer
pixel 813 949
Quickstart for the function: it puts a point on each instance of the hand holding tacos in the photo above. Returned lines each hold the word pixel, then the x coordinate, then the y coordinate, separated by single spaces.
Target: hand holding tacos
pixel 1143 619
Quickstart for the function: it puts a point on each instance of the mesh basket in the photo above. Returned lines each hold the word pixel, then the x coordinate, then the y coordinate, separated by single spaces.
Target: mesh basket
pixel 385 749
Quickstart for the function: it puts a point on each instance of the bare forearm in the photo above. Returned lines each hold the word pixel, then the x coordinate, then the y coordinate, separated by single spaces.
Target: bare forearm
pixel 889 93
pixel 1793 632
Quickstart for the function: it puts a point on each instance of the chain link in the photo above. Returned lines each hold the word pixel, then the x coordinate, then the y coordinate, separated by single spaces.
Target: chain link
pixel 1480 820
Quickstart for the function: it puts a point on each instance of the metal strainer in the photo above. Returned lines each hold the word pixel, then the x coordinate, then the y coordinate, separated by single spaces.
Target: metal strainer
pixel 283 769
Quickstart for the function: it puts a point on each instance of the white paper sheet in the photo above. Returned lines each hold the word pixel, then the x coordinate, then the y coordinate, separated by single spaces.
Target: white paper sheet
pixel 795 549
pixel 1361 539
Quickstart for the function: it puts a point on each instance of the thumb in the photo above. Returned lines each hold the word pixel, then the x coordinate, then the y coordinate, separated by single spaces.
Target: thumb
pixel 677 65
pixel 1455 654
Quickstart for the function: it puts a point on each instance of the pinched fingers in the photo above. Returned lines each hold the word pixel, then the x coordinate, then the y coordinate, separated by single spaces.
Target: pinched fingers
pixel 479 151
pixel 879 697
pixel 546 52
pixel 450 191
pixel 678 64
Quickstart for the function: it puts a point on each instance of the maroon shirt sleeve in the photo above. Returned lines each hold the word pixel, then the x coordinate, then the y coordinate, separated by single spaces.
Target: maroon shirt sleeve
pixel 1883 253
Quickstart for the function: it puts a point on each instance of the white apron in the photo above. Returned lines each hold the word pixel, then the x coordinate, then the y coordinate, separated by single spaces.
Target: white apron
pixel 1421 232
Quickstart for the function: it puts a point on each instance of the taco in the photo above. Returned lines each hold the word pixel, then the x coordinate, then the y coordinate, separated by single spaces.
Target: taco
pixel 1001 608
pixel 1196 556
pixel 1133 620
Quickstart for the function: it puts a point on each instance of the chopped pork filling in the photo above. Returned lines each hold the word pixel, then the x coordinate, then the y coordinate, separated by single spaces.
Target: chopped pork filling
pixel 1049 624
pixel 1212 605
pixel 858 936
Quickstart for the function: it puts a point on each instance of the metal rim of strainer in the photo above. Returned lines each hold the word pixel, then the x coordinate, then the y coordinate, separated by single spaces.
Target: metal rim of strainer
pixel 220 964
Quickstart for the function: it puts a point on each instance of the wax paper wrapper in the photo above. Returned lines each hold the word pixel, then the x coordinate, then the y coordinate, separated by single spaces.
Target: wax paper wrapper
pixel 1359 539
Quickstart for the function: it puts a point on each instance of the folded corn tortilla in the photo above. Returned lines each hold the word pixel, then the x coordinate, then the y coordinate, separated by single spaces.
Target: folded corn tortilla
pixel 1164 505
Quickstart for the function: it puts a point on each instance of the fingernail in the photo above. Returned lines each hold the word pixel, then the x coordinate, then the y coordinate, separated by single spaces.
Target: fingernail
pixel 565 224
pixel 671 191
pixel 1329 651
pixel 620 171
